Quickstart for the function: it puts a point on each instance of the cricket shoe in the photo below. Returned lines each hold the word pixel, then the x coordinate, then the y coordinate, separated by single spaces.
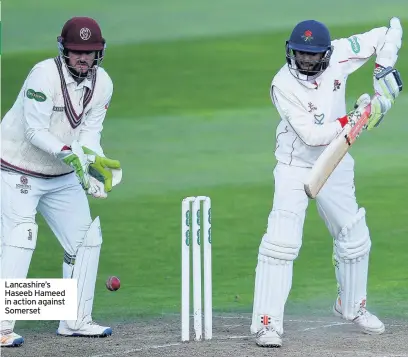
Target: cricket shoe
pixel 89 329
pixel 10 339
pixel 367 322
pixel 268 337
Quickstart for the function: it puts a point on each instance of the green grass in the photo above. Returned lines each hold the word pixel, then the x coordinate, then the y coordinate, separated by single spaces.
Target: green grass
pixel 193 116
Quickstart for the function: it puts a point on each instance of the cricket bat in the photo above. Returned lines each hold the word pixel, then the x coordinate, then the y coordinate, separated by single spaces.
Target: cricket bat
pixel 336 150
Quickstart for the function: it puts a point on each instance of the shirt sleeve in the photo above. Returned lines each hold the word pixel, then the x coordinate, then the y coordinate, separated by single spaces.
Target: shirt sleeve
pixel 38 106
pixel 302 121
pixel 355 51
pixel 90 134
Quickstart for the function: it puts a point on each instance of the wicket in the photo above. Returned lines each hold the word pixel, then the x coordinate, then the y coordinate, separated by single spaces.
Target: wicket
pixel 194 236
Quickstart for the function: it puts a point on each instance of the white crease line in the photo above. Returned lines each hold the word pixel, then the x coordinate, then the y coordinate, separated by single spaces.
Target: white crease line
pixel 142 349
pixel 232 325
pixel 286 320
pixel 221 338
pixel 307 321
pixel 234 337
pixel 325 326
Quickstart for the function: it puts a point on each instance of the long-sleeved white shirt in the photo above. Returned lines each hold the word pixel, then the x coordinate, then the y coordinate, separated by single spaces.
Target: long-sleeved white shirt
pixel 38 125
pixel 309 110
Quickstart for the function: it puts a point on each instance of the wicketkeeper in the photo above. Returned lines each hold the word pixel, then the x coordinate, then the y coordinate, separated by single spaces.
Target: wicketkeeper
pixel 50 146
pixel 309 93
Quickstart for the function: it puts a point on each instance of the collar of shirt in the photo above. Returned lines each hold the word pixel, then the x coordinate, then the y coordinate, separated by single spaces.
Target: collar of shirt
pixel 313 84
pixel 69 79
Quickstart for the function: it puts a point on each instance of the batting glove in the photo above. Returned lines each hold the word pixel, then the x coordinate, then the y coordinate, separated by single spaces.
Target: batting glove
pixel 387 82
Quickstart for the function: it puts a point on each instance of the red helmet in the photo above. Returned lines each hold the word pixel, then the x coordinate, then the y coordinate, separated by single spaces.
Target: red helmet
pixel 82 34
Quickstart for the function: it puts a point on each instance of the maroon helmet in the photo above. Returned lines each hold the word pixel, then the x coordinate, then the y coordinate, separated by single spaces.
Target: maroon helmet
pixel 82 34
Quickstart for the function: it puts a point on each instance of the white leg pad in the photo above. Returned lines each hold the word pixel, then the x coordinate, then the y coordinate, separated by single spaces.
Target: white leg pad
pixel 16 253
pixel 352 250
pixel 273 281
pixel 85 271
pixel 17 250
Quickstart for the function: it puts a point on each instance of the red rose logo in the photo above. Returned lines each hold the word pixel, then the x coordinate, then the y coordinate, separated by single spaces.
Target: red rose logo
pixel 308 33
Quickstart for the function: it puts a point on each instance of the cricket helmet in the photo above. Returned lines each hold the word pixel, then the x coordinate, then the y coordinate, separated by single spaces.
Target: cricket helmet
pixel 81 34
pixel 309 36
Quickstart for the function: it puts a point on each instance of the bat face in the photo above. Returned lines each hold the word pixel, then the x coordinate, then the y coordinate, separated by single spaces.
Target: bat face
pixel 336 150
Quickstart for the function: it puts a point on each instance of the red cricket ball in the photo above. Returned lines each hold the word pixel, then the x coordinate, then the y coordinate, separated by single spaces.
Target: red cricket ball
pixel 113 283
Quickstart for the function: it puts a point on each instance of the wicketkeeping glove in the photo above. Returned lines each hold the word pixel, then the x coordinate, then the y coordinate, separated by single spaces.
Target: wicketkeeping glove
pixel 74 157
pixel 96 188
pixel 104 169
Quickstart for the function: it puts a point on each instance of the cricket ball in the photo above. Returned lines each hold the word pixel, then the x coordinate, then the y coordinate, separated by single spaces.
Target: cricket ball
pixel 113 283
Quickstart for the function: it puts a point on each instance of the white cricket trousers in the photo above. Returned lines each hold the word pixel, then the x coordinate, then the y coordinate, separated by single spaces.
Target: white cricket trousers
pixel 336 202
pixel 61 201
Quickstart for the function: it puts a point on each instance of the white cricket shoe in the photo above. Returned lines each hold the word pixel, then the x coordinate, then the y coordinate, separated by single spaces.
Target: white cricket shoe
pixel 368 322
pixel 268 337
pixel 90 329
pixel 10 339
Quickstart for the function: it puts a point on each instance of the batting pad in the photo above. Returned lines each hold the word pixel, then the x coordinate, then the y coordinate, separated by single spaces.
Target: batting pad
pixel 272 285
pixel 85 271
pixel 352 249
pixel 17 250
pixel 283 238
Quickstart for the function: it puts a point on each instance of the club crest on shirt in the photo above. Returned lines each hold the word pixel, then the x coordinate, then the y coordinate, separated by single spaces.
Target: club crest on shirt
pixel 319 118
pixel 337 85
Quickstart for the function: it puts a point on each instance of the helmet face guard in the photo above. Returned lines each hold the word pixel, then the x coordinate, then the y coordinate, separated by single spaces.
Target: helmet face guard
pixel 81 35
pixel 310 37
pixel 316 68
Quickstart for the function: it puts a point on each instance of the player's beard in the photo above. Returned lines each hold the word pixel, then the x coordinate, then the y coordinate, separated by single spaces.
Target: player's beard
pixel 77 74
pixel 308 70
pixel 79 68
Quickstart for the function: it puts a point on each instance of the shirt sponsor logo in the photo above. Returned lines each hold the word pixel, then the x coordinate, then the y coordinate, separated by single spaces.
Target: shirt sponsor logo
pixel 355 46
pixel 38 96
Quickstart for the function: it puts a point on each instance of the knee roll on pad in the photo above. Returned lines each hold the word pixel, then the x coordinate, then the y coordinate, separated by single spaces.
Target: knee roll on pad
pixel 283 238
pixel 353 240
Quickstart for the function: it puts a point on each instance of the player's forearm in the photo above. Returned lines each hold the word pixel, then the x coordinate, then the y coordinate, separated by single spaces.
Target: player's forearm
pixel 43 139
pixel 318 135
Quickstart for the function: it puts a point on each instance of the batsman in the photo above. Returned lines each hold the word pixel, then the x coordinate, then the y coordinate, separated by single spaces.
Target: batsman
pixel 309 93
pixel 51 159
